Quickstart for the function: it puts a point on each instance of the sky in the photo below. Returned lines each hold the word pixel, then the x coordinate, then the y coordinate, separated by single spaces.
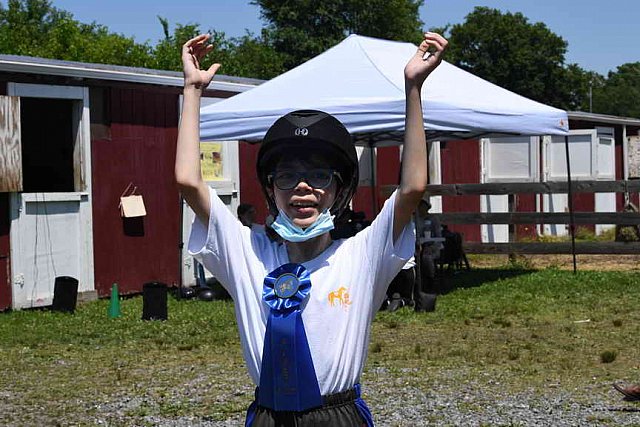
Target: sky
pixel 600 35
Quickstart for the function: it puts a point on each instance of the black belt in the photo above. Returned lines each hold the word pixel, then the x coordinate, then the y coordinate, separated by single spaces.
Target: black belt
pixel 339 398
pixel 334 399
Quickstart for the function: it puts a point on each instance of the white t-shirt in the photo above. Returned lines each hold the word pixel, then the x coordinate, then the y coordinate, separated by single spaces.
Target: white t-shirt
pixel 348 284
pixel 258 228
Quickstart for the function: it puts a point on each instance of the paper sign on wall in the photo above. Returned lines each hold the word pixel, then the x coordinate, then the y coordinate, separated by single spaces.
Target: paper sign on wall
pixel 211 162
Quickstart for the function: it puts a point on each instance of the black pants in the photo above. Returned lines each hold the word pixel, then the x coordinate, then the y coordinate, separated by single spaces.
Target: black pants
pixel 403 284
pixel 339 410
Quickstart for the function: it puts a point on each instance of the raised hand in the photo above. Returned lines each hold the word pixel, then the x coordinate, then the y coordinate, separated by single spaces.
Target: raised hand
pixel 192 53
pixel 424 62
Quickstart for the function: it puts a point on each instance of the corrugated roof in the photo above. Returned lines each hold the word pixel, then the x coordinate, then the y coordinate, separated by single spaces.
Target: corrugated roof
pixel 603 118
pixel 85 70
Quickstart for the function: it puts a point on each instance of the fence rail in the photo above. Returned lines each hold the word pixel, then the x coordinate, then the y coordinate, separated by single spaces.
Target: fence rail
pixel 620 218
pixel 578 218
pixel 614 248
pixel 534 187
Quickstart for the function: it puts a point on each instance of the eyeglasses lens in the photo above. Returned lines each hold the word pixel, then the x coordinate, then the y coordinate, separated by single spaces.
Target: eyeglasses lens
pixel 316 178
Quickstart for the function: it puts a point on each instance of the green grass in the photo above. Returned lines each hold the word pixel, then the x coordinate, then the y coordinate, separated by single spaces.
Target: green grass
pixel 526 329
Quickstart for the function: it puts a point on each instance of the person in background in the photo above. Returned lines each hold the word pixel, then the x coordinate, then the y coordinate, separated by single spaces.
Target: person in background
pixel 247 216
pixel 401 288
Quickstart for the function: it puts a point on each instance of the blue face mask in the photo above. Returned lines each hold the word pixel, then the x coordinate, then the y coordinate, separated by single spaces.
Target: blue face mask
pixel 292 233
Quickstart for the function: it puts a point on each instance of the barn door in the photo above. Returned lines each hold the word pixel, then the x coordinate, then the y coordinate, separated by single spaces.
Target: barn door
pixel 605 171
pixel 10 180
pixel 51 232
pixel 435 173
pixel 10 148
pixel 592 157
pixel 506 159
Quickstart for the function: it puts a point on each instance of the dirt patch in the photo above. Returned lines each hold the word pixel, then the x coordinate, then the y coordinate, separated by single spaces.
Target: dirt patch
pixel 564 262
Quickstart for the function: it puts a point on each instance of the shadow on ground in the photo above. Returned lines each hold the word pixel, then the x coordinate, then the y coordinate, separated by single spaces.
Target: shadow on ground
pixel 448 281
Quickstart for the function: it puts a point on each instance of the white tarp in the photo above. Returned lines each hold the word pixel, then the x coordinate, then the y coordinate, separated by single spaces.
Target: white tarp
pixel 361 82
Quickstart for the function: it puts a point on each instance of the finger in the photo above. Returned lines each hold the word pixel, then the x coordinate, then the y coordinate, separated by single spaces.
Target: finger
pixel 193 41
pixel 423 50
pixel 434 42
pixel 437 41
pixel 201 45
pixel 436 49
pixel 435 36
pixel 423 46
pixel 211 72
pixel 214 69
pixel 200 51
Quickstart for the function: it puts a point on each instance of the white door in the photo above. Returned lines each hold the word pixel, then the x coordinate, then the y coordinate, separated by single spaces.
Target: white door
pixel 606 171
pixel 592 157
pixel 51 220
pixel 582 154
pixel 506 159
pixel 435 174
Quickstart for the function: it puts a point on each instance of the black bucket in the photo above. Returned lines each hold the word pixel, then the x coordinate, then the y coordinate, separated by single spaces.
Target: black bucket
pixel 154 301
pixel 65 294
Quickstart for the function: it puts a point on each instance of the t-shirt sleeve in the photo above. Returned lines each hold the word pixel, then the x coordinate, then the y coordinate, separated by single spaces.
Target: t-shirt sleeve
pixel 385 257
pixel 224 246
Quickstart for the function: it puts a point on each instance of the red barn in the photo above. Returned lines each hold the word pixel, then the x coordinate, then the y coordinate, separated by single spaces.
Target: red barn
pixel 83 135
pixel 80 135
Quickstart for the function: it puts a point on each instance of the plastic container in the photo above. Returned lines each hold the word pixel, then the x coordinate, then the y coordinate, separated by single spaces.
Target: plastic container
pixel 154 301
pixel 65 294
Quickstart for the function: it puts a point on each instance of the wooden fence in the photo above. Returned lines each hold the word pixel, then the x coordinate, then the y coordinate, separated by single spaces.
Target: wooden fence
pixel 577 218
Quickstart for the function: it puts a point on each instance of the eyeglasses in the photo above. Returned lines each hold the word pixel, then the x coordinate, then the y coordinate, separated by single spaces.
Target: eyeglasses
pixel 316 178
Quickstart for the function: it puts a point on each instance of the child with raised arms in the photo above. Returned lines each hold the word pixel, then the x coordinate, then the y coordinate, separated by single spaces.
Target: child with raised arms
pixel 304 306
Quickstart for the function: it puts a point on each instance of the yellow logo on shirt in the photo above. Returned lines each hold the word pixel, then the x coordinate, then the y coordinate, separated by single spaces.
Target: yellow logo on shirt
pixel 340 297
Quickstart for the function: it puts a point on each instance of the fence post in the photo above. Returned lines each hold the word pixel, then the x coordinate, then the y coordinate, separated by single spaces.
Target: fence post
pixel 572 225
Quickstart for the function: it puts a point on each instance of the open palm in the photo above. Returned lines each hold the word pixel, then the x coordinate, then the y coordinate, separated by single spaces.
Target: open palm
pixel 192 53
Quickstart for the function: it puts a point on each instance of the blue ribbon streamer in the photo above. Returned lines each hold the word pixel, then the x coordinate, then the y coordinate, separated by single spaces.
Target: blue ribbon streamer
pixel 288 379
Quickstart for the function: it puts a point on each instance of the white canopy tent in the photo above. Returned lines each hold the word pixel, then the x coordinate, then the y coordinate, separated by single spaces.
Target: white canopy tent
pixel 361 82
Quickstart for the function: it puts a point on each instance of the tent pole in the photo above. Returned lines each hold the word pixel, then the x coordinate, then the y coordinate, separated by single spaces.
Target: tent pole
pixel 374 195
pixel 572 225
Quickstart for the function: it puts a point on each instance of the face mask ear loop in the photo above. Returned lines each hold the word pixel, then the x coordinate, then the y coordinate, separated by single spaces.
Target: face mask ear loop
pixel 271 201
pixel 340 195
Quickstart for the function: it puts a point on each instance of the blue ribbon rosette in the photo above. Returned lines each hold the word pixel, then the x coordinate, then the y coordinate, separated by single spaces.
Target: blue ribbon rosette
pixel 288 379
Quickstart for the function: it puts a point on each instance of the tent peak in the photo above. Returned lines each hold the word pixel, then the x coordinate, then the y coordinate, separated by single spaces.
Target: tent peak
pixel 361 81
pixel 378 41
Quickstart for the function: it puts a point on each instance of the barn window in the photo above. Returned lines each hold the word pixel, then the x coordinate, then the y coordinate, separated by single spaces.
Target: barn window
pixel 54 133
pixel 47 145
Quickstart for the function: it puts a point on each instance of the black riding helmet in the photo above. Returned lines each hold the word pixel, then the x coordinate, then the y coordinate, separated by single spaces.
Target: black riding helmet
pixel 310 132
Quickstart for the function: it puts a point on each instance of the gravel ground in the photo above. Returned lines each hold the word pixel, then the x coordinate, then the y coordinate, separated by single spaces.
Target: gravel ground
pixel 396 402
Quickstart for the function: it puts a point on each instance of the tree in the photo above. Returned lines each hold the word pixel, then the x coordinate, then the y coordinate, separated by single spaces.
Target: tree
pixel 250 56
pixel 619 94
pixel 302 29
pixel 167 53
pixel 582 85
pixel 504 48
pixel 36 28
pixel 246 56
